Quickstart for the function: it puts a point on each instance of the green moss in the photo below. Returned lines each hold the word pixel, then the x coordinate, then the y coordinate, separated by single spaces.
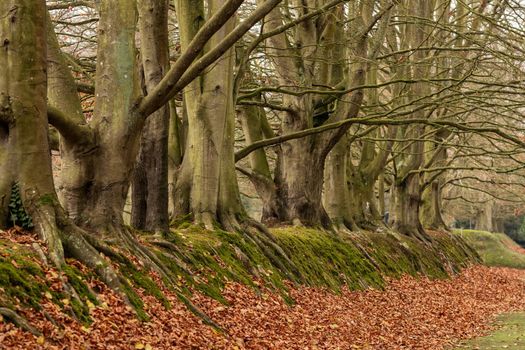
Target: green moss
pixel 74 277
pixel 205 261
pixel 81 311
pixel 211 258
pixel 327 260
pixel 47 199
pixel 21 278
pixel 19 285
pixel 141 279
pixel 135 301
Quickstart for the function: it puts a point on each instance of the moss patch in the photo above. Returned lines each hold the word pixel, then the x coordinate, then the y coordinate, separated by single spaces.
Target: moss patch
pixel 24 283
pixel 208 259
pixel 205 261
pixel 21 278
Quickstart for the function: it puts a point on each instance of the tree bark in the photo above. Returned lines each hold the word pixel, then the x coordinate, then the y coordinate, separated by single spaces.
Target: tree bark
pixel 484 220
pixel 431 214
pixel 208 163
pixel 115 117
pixel 251 118
pixel 337 198
pixel 6 164
pixel 407 193
pixel 23 96
pixel 77 139
pixel 150 181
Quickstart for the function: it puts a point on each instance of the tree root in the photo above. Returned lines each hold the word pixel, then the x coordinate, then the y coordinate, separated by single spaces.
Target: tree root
pixel 265 240
pixel 151 261
pixel 19 321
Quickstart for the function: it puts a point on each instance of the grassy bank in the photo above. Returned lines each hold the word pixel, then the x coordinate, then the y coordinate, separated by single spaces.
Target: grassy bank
pixel 509 335
pixel 495 249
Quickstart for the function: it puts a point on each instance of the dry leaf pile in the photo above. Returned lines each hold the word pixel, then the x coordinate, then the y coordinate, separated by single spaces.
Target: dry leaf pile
pixel 411 313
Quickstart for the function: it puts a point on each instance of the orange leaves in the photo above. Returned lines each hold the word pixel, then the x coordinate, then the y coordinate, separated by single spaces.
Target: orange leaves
pixel 410 314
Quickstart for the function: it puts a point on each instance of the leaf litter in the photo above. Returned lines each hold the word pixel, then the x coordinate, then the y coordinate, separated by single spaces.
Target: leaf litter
pixel 410 313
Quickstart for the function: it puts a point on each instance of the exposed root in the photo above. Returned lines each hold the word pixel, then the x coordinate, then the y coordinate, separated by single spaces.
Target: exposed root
pixel 19 321
pixel 264 239
pixel 149 259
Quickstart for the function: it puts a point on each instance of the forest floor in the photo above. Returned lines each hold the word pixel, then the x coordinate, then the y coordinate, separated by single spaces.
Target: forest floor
pixel 411 313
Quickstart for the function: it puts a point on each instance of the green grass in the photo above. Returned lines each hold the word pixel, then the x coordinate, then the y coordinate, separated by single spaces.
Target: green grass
pixel 510 334
pixel 495 249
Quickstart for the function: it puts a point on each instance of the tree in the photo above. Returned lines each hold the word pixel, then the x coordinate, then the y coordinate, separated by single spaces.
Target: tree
pixel 299 171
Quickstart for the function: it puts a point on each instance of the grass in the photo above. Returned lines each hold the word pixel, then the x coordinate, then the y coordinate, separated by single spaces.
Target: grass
pixel 495 249
pixel 509 335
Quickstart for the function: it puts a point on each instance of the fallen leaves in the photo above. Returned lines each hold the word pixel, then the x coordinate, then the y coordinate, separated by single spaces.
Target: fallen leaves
pixel 411 313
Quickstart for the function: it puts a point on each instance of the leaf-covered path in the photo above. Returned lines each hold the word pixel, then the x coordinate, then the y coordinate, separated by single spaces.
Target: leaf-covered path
pixel 410 314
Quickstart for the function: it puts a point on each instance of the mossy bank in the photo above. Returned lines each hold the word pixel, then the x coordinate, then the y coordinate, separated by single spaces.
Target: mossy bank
pixel 205 261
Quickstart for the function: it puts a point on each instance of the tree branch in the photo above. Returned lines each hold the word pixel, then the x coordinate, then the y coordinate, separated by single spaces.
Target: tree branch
pixel 71 131
pixel 162 92
pixel 180 76
pixel 367 121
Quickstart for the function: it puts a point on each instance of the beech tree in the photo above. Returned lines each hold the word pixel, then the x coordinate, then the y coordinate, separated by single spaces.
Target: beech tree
pixel 299 172
pixel 371 106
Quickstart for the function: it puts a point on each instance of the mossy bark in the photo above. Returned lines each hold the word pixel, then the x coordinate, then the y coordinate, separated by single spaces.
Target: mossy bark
pixel 6 176
pixel 23 90
pixel 337 198
pixel 77 139
pixel 407 192
pixel 252 119
pixel 23 94
pixel 191 16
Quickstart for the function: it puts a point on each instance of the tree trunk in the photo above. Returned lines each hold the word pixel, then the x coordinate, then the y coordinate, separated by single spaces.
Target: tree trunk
pixel 431 215
pixel 337 199
pixel 405 209
pixel 363 204
pixel 6 164
pixel 260 175
pixel 484 217
pixel 300 183
pixel 115 118
pixel 407 194
pixel 150 182
pixel 175 153
pixel 23 97
pixel 208 163
pixel 77 140
pixel 191 16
